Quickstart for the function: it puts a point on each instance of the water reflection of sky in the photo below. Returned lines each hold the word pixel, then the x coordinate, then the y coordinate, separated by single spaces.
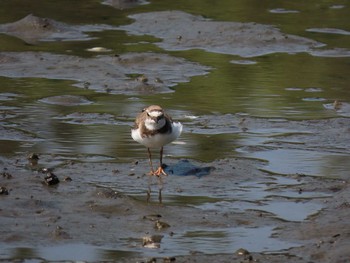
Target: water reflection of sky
pixel 316 163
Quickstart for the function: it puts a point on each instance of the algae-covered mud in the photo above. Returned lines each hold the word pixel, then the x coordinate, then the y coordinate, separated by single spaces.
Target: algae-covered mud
pixel 259 174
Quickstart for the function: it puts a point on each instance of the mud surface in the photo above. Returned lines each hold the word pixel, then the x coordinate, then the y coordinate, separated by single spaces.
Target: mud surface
pixel 32 29
pixel 74 186
pixel 182 31
pixel 210 210
pixel 131 73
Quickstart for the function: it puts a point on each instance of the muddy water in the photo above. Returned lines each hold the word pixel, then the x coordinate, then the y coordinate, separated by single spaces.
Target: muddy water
pixel 262 116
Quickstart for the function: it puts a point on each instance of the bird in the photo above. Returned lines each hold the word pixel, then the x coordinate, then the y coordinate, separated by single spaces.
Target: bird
pixel 154 128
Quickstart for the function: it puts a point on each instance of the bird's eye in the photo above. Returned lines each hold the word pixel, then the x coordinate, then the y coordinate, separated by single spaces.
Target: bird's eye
pixel 143 110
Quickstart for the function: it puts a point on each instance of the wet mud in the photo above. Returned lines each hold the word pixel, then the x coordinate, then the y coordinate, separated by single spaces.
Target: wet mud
pixel 268 200
pixel 32 29
pixel 182 31
pixel 209 211
pixel 131 73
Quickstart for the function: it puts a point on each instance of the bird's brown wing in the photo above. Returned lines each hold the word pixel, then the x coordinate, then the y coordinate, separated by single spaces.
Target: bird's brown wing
pixel 139 120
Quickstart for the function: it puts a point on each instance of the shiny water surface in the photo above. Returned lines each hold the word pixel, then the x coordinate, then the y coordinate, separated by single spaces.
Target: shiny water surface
pixel 277 86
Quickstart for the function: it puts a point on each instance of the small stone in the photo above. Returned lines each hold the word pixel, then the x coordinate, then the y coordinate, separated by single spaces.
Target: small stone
pixel 142 79
pixel 51 179
pixel 161 225
pixel 33 159
pixel 33 156
pixel 152 241
pixel 67 179
pixel 169 259
pixel 59 233
pixel 3 191
pixel 6 175
pixel 244 253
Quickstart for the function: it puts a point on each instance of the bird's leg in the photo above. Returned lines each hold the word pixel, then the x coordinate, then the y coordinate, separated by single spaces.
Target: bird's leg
pixel 160 170
pixel 150 161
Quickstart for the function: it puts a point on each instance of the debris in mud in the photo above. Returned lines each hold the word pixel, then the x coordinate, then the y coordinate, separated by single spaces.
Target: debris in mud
pixel 169 259
pixel 33 159
pixel 104 73
pixel 32 29
pixel 244 253
pixel 3 190
pixel 152 241
pixel 109 193
pixel 152 217
pixel 344 205
pixel 161 225
pixel 59 233
pixel 67 179
pixel 235 38
pixel 142 79
pixel 51 179
pixel 6 175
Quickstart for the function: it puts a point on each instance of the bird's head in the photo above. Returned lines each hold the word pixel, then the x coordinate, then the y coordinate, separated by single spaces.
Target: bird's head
pixel 155 119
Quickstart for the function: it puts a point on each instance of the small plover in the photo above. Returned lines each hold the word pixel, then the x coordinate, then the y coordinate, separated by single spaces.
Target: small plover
pixel 154 129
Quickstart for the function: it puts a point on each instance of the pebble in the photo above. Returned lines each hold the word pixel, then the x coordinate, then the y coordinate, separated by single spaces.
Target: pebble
pixel 3 190
pixel 152 241
pixel 6 175
pixel 51 179
pixel 161 225
pixel 244 253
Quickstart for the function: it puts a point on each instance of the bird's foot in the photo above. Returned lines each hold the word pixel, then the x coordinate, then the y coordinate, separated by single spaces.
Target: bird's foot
pixel 160 171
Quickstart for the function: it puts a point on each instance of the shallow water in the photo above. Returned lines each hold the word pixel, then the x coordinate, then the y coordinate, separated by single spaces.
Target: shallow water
pixel 56 114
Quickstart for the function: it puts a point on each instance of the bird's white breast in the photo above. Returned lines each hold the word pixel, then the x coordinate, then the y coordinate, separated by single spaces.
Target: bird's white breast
pixel 158 140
